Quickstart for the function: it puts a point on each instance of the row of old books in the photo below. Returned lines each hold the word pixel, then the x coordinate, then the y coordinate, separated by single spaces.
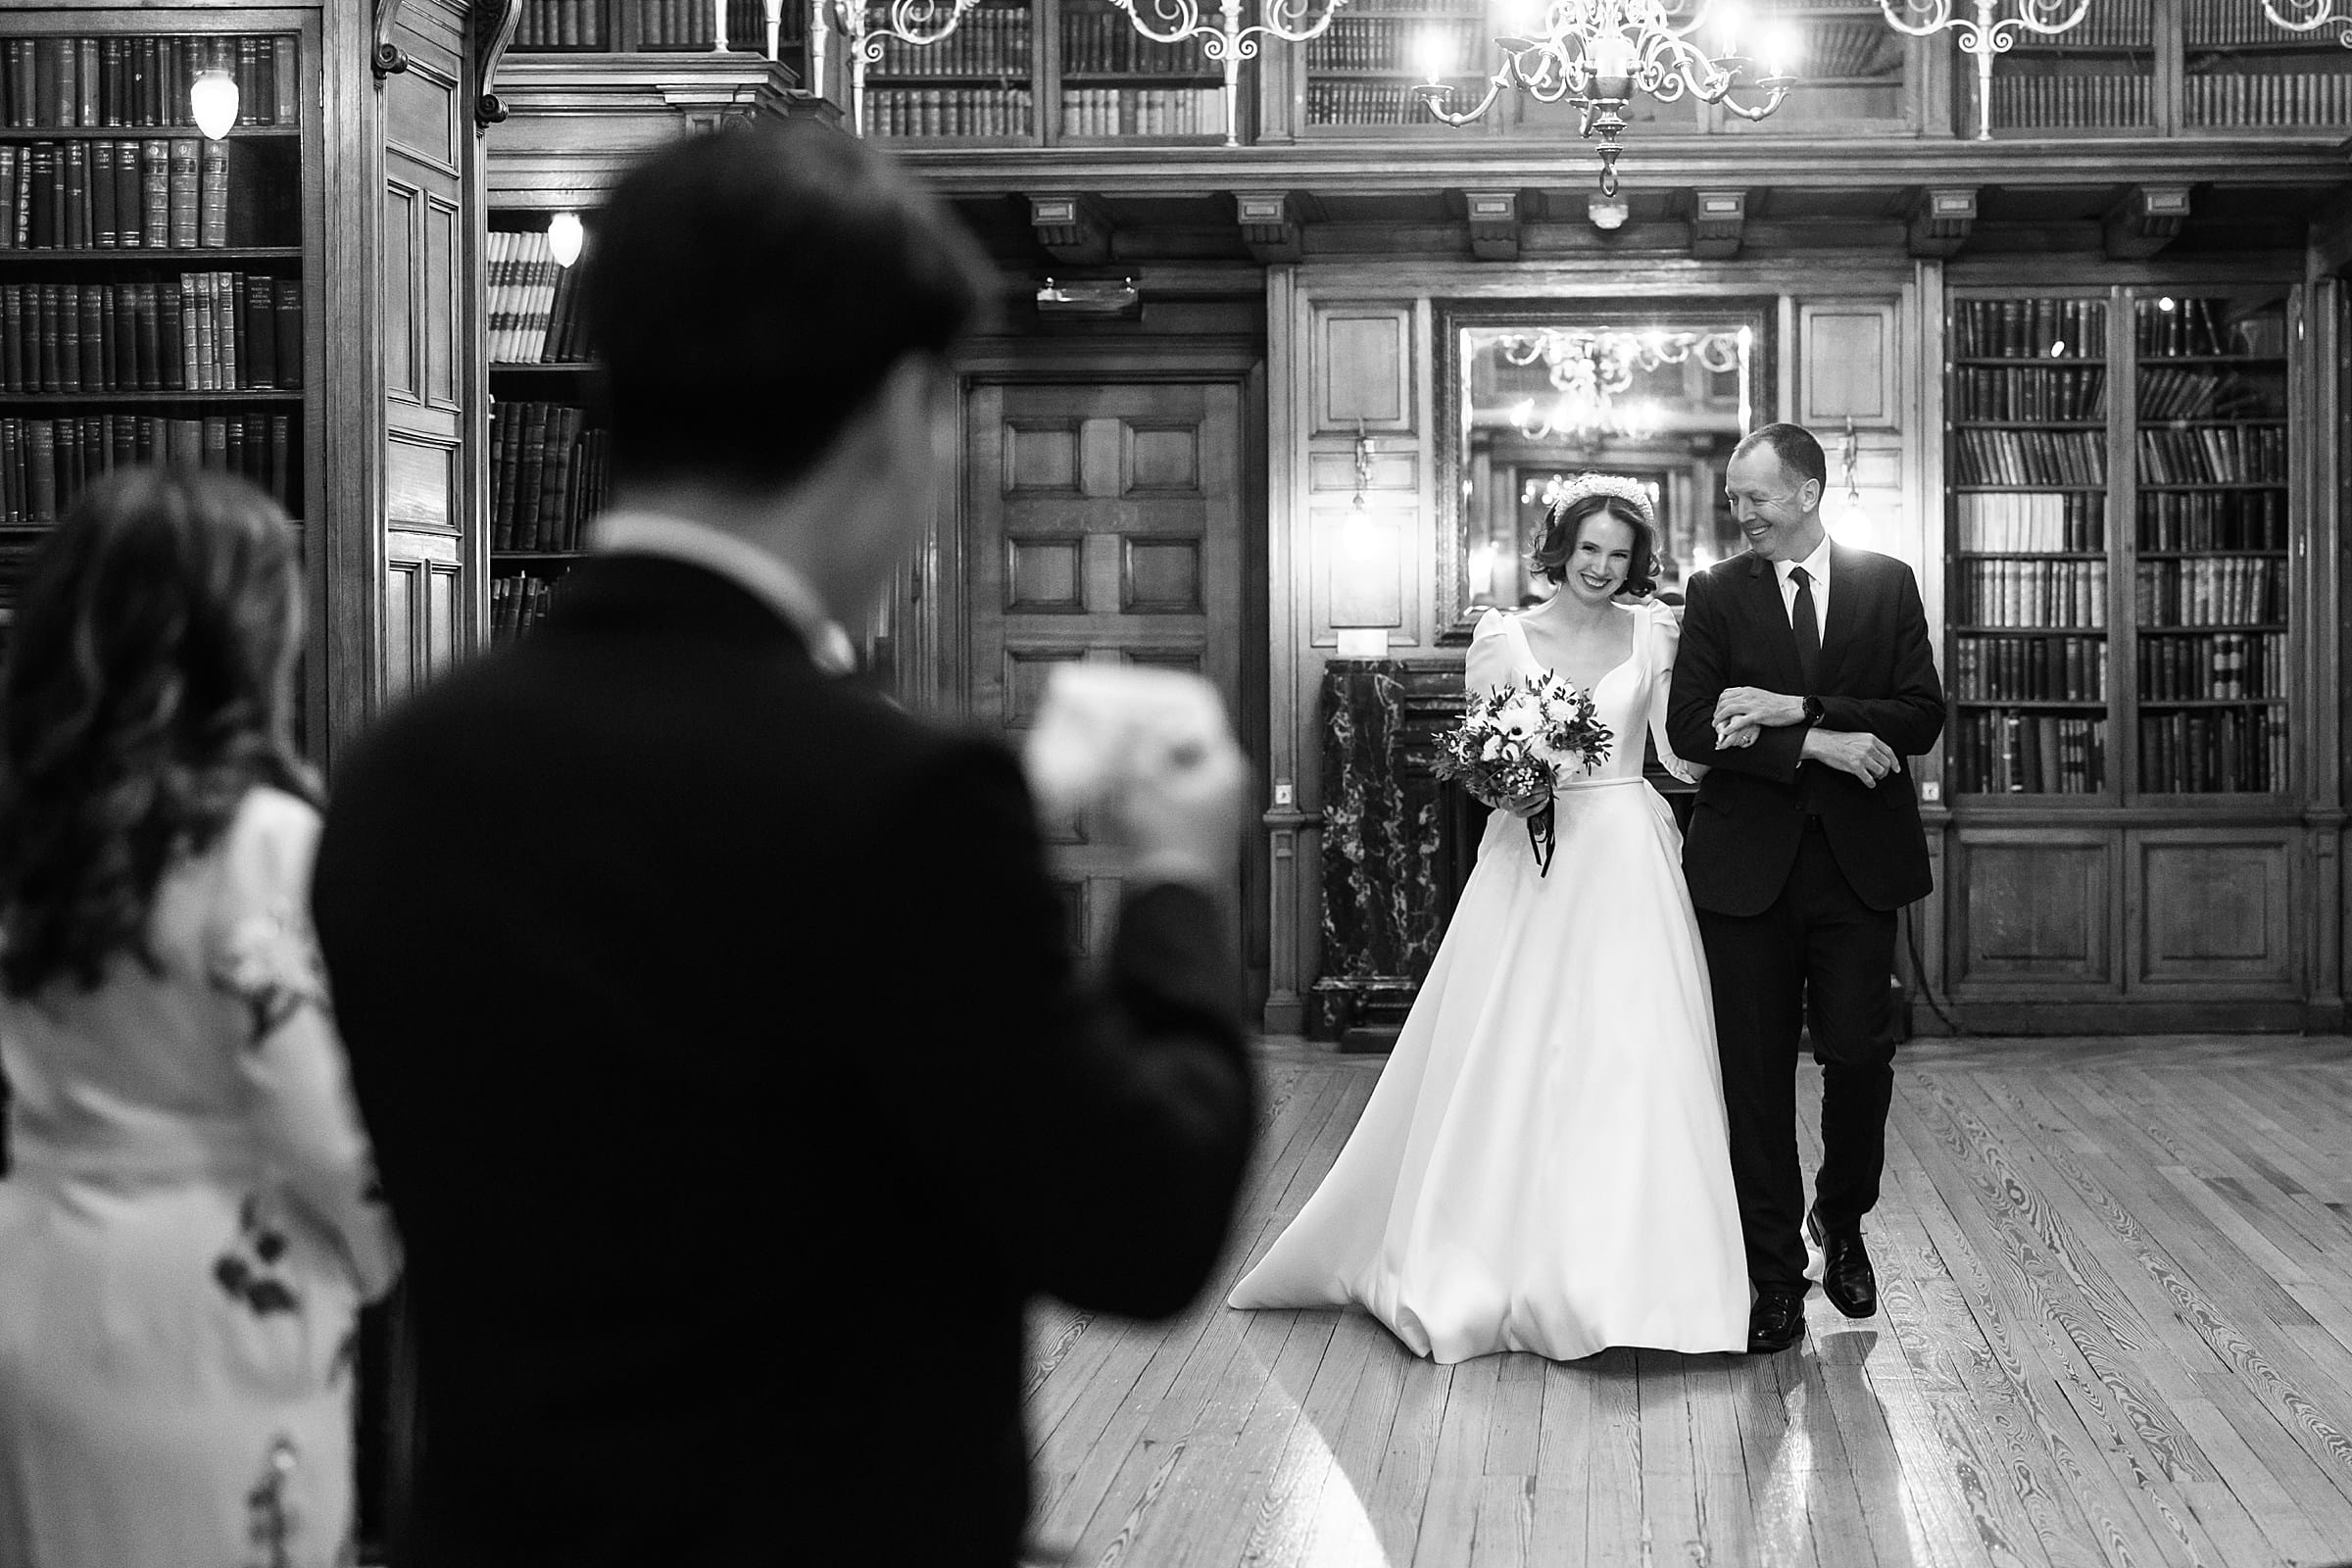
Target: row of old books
pixel 990 41
pixel 657 23
pixel 519 602
pixel 2268 98
pixel 1143 111
pixel 2169 392
pixel 2108 24
pixel 158 193
pixel 2215 751
pixel 533 302
pixel 2223 519
pixel 2029 329
pixel 2031 593
pixel 2070 101
pixel 142 81
pixel 1364 103
pixel 193 333
pixel 548 476
pixel 1393 43
pixel 2214 454
pixel 2030 392
pixel 2048 520
pixel 949 112
pixel 2210 591
pixel 2209 666
pixel 1997 751
pixel 2031 457
pixel 45 463
pixel 1104 42
pixel 2009 669
pixel 2196 327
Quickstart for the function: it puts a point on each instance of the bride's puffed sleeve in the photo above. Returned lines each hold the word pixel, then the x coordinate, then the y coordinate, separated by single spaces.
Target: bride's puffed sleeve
pixel 264 955
pixel 1487 663
pixel 1664 631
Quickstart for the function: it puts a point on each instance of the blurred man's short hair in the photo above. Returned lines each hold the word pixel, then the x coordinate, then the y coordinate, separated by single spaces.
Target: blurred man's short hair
pixel 746 292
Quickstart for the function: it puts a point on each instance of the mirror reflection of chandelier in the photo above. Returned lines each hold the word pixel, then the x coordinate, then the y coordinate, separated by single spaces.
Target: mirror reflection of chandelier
pixel 1588 368
pixel 1595 55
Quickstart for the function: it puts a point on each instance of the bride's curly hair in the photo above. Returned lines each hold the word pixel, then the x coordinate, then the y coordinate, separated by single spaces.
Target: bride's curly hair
pixel 149 687
pixel 1567 520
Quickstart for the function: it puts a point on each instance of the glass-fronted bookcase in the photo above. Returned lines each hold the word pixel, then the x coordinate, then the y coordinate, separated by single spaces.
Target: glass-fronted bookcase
pixel 2127 577
pixel 2121 607
pixel 158 286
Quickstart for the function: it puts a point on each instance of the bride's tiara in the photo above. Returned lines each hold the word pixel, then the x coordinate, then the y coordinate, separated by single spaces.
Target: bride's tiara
pixel 1634 492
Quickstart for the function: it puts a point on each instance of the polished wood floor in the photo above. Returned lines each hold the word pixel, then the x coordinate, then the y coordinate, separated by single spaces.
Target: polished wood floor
pixel 2115 1328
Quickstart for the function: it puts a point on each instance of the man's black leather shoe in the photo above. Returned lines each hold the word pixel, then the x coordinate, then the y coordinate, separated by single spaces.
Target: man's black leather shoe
pixel 1847 1277
pixel 1777 1320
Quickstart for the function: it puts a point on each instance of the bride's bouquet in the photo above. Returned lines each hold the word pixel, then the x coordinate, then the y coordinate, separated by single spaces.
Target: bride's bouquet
pixel 1522 737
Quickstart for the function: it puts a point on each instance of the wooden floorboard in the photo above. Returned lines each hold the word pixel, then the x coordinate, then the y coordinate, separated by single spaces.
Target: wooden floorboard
pixel 2114 1331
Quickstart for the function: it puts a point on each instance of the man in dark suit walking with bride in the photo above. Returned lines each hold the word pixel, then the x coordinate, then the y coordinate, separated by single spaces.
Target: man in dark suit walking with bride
pixel 1806 676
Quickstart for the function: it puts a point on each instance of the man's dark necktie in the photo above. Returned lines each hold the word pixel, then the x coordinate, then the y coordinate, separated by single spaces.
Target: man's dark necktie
pixel 1807 627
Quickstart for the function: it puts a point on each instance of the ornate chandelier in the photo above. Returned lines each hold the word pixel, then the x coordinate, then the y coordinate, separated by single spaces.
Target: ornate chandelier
pixel 1595 55
pixel 1589 368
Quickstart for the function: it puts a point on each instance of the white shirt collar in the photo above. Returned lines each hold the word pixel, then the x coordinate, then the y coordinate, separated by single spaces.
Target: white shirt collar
pixel 1816 565
pixel 779 586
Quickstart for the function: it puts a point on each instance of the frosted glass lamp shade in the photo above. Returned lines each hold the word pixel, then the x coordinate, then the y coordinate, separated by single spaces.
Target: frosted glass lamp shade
pixel 213 97
pixel 563 237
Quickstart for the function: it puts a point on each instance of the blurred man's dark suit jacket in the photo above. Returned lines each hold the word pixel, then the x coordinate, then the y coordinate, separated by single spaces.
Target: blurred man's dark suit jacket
pixel 733 1092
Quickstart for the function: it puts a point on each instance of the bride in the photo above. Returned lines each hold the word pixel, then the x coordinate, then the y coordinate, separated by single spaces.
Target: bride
pixel 1543 1165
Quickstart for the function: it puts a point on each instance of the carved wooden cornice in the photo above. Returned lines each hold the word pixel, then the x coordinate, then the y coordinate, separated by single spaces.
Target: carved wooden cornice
pixel 575 123
pixel 386 58
pixel 492 30
pixel 1749 163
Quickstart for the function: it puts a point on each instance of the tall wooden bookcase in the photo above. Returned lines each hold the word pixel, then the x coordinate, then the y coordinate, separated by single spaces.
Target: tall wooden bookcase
pixel 2136 541
pixel 163 296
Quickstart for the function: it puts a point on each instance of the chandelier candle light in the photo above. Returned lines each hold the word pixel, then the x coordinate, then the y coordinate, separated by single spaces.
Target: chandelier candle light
pixel 1595 55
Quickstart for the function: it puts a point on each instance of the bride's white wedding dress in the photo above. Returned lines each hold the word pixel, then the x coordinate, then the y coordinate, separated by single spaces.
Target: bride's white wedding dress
pixel 1543 1165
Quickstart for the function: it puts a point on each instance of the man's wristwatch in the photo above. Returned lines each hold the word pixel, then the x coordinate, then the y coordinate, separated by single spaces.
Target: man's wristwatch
pixel 1813 712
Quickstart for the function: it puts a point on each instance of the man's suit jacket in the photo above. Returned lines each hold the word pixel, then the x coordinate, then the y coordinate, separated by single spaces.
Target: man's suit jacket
pixel 733 1092
pixel 1877 673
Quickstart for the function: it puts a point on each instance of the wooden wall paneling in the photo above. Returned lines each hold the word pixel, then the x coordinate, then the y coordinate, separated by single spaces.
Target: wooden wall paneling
pixel 2318 566
pixel 346 300
pixel 2039 911
pixel 2212 910
pixel 432 374
pixel 1852 362
pixel 1109 512
pixel 1364 368
pixel 1923 395
pixel 1292 827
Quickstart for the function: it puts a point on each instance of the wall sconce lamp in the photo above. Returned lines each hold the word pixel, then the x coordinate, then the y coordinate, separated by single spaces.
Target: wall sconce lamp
pixel 1853 522
pixel 564 236
pixel 212 99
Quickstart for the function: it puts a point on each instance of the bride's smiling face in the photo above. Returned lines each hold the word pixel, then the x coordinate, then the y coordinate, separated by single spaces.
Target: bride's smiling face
pixel 1595 568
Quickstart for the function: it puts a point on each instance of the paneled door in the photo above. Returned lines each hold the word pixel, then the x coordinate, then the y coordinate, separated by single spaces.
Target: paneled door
pixel 1103 523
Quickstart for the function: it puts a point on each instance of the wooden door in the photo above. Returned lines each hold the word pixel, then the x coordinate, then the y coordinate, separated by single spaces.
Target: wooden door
pixel 1103 522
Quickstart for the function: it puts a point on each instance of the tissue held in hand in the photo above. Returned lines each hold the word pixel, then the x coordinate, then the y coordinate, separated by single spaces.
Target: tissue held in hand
pixel 1108 734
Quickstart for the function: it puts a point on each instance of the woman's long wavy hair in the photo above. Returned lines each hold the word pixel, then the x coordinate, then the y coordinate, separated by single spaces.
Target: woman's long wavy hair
pixel 149 686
